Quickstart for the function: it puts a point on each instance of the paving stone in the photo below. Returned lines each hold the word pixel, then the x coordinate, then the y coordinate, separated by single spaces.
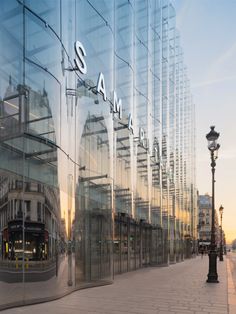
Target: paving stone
pixel 178 289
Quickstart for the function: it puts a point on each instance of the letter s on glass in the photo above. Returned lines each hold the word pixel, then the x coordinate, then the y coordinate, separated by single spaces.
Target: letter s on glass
pixel 79 58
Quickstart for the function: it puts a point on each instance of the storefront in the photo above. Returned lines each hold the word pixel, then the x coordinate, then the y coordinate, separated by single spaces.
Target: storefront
pixel 96 144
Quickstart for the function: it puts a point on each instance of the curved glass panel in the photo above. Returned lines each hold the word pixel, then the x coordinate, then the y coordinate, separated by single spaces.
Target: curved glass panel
pixel 43 97
pixel 97 38
pixel 93 206
pixel 11 157
pixel 41 45
pixel 49 11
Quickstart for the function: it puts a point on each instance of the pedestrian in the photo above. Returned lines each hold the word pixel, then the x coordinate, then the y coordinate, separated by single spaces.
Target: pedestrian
pixel 202 252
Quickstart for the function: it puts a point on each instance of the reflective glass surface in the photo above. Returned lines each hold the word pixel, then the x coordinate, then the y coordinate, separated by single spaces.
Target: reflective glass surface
pixel 91 185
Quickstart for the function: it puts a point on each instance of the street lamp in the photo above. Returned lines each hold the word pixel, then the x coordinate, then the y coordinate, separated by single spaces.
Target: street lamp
pixel 221 240
pixel 213 146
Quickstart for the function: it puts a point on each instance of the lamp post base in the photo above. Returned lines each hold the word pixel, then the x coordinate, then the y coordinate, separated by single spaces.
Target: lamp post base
pixel 212 274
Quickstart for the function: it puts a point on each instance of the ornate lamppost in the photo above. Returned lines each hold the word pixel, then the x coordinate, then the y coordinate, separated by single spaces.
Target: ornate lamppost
pixel 213 146
pixel 221 239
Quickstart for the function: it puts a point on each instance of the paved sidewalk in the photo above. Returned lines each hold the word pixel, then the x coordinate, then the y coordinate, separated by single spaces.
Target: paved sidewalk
pixel 178 289
pixel 231 283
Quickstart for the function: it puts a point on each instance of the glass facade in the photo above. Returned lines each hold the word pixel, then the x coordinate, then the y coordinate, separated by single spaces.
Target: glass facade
pixel 97 142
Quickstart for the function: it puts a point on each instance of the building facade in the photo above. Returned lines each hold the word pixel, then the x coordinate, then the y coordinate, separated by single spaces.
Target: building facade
pixel 97 140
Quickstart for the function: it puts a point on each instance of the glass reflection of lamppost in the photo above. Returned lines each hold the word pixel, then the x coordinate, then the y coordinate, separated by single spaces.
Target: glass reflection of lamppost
pixel 212 137
pixel 221 240
pixel 69 245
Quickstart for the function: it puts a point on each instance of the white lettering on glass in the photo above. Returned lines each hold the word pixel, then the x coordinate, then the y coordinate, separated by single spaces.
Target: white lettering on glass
pixel 117 103
pixel 130 123
pixel 155 154
pixel 101 88
pixel 79 59
pixel 141 136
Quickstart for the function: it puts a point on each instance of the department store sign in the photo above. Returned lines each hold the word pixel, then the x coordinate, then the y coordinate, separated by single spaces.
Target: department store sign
pixel 81 66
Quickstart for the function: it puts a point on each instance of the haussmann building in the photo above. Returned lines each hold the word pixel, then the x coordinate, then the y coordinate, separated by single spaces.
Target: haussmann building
pixel 97 144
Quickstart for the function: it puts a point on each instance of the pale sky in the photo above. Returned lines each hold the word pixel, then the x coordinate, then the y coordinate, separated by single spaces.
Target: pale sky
pixel 208 37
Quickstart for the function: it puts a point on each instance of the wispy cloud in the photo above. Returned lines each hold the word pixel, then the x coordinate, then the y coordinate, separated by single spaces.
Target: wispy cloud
pixel 214 81
pixel 224 63
pixel 227 55
pixel 183 12
pixel 228 154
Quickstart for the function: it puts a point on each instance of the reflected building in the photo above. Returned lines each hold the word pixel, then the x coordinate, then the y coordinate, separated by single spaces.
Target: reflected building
pixel 97 145
pixel 204 223
pixel 37 213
